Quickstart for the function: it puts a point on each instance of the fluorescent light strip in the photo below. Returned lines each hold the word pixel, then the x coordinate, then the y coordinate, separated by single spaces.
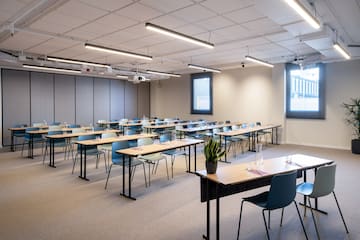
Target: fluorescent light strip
pixel 163 73
pixel 64 60
pixel 304 13
pixel 341 50
pixel 51 69
pixel 204 68
pixel 178 35
pixel 252 59
pixel 122 76
pixel 116 51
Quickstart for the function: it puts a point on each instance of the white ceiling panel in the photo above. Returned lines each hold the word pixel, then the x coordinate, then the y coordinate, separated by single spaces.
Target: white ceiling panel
pixel 55 22
pixel 271 9
pixel 168 21
pixel 299 28
pixel 139 12
pixel 245 15
pixel 279 36
pixel 167 5
pixel 227 5
pixel 72 52
pixel 215 23
pixel 80 10
pixel 262 26
pixel 116 21
pixel 108 5
pixel 22 40
pixel 194 13
pixel 235 32
pixel 51 46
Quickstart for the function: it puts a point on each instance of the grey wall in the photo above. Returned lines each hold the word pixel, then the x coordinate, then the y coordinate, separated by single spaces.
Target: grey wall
pixel 30 97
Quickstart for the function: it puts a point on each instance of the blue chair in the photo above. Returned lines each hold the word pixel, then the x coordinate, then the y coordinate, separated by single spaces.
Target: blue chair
pixel 18 133
pixel 323 185
pixel 152 159
pixel 90 150
pixel 173 153
pixel 281 194
pixel 74 126
pixel 99 128
pixel 57 143
pixel 55 124
pixel 117 159
pixel 36 138
pixel 132 143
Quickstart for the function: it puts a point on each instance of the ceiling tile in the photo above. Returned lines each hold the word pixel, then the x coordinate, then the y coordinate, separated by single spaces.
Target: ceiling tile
pixel 116 21
pixel 299 28
pixel 215 23
pixel 52 45
pixel 167 5
pixel 279 36
pixel 227 6
pixel 17 42
pixel 194 13
pixel 235 32
pixel 108 5
pixel 245 15
pixel 168 21
pixel 262 26
pixel 80 10
pixel 139 12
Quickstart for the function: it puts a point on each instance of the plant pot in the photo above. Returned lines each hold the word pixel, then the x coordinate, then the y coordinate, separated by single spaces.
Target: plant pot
pixel 355 146
pixel 211 167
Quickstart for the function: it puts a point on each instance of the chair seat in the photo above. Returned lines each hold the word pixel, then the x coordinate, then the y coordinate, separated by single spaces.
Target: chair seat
pixel 174 152
pixel 305 188
pixel 134 162
pixel 106 147
pixel 152 157
pixel 259 199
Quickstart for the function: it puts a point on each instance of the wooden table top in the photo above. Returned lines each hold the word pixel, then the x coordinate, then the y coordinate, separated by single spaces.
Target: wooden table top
pixel 101 141
pixel 247 130
pixel 160 126
pixel 160 147
pixel 207 127
pixel 245 172
pixel 70 135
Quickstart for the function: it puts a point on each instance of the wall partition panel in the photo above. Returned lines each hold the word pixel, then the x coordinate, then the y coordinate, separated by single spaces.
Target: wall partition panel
pixel 42 97
pixel 101 99
pixel 143 99
pixel 84 101
pixel 117 99
pixel 15 100
pixel 64 98
pixel 130 100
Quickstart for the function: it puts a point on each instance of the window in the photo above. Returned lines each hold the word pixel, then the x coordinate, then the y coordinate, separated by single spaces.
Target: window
pixel 201 93
pixel 305 92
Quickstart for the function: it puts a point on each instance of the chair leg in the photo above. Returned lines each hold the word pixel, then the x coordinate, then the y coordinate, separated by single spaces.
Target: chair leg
pixel 97 161
pixel 74 164
pixel 22 149
pixel 172 165
pixel 282 216
pixel 342 217
pixel 313 216
pixel 241 208
pixel 145 175
pixel 266 227
pixel 269 219
pixel 107 179
pixel 45 152
pixel 149 174
pixel 167 170
pixel 105 162
pixel 302 223
pixel 133 173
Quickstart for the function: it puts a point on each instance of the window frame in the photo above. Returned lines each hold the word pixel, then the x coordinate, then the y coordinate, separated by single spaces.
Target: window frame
pixel 193 77
pixel 306 114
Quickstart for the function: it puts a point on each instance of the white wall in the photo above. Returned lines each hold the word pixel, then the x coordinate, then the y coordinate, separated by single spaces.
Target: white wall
pixel 258 94
pixel 239 95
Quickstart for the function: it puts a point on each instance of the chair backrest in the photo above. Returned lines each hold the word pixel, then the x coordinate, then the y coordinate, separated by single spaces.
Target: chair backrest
pixel 130 132
pixel 144 141
pixel 74 126
pixel 116 158
pixel 282 190
pixel 35 136
pixel 78 130
pixel 235 127
pixel 32 129
pixel 324 182
pixel 54 132
pixel 258 123
pixel 165 137
pixel 226 129
pixel 55 123
pixel 99 128
pixel 54 127
pixel 38 124
pixel 87 137
pixel 108 135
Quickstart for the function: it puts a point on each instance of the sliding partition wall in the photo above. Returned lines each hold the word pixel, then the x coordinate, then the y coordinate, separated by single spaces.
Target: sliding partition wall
pixel 29 97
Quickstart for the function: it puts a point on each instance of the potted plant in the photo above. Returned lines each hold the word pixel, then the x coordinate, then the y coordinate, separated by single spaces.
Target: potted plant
pixel 213 153
pixel 353 119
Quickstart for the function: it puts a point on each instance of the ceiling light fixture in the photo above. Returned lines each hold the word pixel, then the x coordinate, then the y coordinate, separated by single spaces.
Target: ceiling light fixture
pixel 178 35
pixel 122 76
pixel 341 50
pixel 256 60
pixel 204 68
pixel 51 68
pixel 116 51
pixel 163 73
pixel 304 13
pixel 64 60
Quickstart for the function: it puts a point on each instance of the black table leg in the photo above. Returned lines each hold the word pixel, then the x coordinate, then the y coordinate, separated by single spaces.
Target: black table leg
pixel 52 153
pixel 217 213
pixel 83 161
pixel 189 155
pixel 12 142
pixel 207 236
pixel 123 193
pixel 195 157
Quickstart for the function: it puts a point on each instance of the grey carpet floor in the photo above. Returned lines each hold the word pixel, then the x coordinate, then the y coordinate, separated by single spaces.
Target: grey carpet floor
pixel 39 202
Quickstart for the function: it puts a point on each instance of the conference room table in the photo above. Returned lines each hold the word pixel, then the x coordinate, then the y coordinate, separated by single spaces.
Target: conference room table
pixel 155 148
pixel 13 130
pixel 101 141
pixel 234 179
pixel 124 126
pixel 193 130
pixel 252 133
pixel 152 128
